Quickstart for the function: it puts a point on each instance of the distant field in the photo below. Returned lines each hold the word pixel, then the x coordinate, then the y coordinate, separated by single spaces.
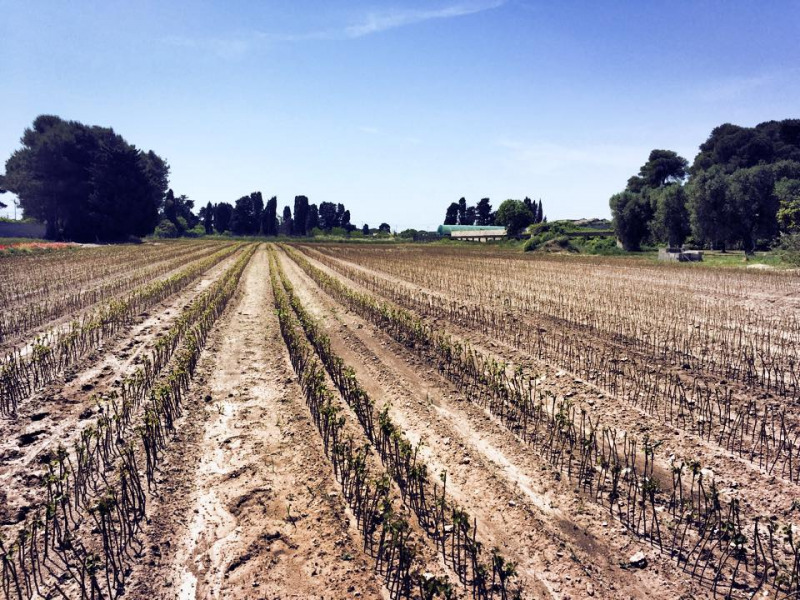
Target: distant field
pixel 225 419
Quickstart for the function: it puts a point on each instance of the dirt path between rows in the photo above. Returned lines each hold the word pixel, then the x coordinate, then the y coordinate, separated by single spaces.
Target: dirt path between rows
pixel 262 514
pixel 735 475
pixel 57 414
pixel 568 548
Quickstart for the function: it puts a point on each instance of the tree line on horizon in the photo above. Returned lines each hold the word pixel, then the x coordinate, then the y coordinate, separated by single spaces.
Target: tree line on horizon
pixel 742 191
pixel 88 184
pixel 250 216
pixel 514 215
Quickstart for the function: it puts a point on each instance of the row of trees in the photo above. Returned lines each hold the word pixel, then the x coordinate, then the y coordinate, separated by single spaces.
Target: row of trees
pixel 250 216
pixel 87 183
pixel 742 191
pixel 459 213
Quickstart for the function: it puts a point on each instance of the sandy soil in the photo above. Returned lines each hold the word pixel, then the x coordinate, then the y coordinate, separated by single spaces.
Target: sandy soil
pixel 262 514
pixel 737 476
pixel 570 548
pixel 246 503
pixel 56 414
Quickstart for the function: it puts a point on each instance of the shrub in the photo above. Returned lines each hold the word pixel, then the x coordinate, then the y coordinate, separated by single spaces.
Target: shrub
pixel 196 231
pixel 789 248
pixel 166 229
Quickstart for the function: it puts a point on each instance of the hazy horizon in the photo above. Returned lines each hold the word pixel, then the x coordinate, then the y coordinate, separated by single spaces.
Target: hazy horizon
pixel 398 111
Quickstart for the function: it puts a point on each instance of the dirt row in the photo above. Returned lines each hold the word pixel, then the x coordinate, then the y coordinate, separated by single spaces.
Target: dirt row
pixel 736 476
pixel 178 260
pixel 563 547
pixel 56 414
pixel 249 507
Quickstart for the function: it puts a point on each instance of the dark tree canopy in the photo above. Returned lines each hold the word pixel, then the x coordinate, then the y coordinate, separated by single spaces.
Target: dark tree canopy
pixel 223 212
pixel 246 219
pixel 300 216
pixel 312 222
pixel 732 147
pixel 286 221
pixel 327 216
pixel 365 229
pixel 663 167
pixel 269 218
pixel 483 213
pixel 653 205
pixel 469 216
pixel 462 211
pixel 86 182
pixel 179 212
pixel 451 216
pixel 384 228
pixel 207 218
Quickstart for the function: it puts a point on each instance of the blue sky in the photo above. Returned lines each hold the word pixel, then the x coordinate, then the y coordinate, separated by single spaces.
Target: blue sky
pixel 397 109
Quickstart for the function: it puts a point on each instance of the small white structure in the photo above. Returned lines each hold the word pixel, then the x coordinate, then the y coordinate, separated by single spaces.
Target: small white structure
pixel 482 235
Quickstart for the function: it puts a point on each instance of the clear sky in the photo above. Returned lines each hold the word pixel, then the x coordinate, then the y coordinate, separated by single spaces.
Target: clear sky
pixel 398 108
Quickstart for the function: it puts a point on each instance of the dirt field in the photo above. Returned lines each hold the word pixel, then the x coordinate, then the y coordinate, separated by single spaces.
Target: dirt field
pixel 270 421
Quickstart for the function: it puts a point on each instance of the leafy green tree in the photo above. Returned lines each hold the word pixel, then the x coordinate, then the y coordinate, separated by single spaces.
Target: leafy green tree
pixel 179 211
pixel 86 182
pixel 269 218
pixel 514 215
pixel 531 204
pixel 645 198
pixel 223 212
pixel 631 217
pixel 671 219
pixel 787 192
pixel 384 228
pixel 663 167
pixel 166 229
pixel 483 212
pixel 711 215
pixel 754 204
pixel 451 216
